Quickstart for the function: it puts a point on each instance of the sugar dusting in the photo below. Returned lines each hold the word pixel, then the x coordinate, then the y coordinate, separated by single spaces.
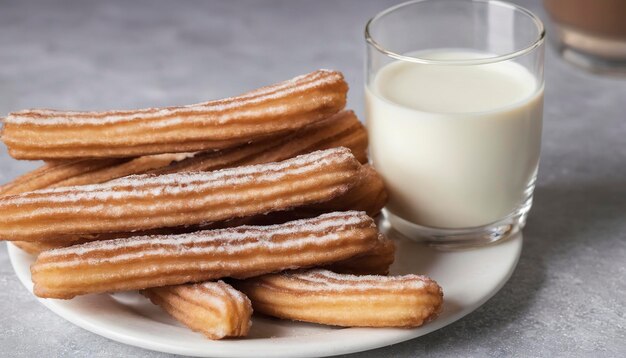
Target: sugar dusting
pixel 210 293
pixel 137 186
pixel 317 231
pixel 230 290
pixel 324 280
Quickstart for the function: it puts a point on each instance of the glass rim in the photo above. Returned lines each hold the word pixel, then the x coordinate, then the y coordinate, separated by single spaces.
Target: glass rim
pixel 493 59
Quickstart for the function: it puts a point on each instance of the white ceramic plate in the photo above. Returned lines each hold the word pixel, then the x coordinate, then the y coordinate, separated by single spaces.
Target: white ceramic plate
pixel 469 278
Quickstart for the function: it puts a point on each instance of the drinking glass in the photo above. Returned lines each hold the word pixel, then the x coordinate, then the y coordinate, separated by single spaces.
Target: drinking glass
pixel 454 104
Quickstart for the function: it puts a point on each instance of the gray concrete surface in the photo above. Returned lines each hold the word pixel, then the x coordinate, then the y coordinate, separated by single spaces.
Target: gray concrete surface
pixel 567 296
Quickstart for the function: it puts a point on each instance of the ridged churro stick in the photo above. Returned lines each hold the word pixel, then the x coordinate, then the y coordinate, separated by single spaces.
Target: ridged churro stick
pixel 268 111
pixel 325 297
pixel 241 252
pixel 146 202
pixel 214 309
pixel 368 195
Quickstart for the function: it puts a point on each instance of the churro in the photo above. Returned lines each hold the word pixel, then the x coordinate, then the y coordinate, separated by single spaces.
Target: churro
pixel 246 251
pixel 369 182
pixel 322 296
pixel 373 262
pixel 146 201
pixel 268 111
pixel 341 129
pixel 214 309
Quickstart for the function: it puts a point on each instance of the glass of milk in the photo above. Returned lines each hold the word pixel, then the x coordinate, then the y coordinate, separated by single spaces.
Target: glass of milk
pixel 454 102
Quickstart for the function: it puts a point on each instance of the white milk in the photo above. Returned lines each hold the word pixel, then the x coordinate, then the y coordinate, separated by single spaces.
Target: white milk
pixel 456 145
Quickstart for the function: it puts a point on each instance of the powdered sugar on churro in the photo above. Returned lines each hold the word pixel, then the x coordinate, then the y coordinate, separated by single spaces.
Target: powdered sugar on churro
pixel 324 280
pixel 224 288
pixel 216 295
pixel 319 231
pixel 169 116
pixel 138 186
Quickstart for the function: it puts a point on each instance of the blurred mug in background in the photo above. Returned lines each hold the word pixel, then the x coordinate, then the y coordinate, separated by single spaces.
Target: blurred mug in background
pixel 590 33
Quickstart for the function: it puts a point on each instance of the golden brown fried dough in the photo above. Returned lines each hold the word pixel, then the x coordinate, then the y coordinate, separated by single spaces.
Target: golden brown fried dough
pixel 374 262
pixel 272 110
pixel 51 174
pixel 354 199
pixel 147 202
pixel 36 247
pixel 322 296
pixel 246 251
pixel 214 309
pixel 340 130
pixel 368 194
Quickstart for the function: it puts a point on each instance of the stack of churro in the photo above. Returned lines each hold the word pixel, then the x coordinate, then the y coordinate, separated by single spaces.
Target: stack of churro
pixel 261 201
